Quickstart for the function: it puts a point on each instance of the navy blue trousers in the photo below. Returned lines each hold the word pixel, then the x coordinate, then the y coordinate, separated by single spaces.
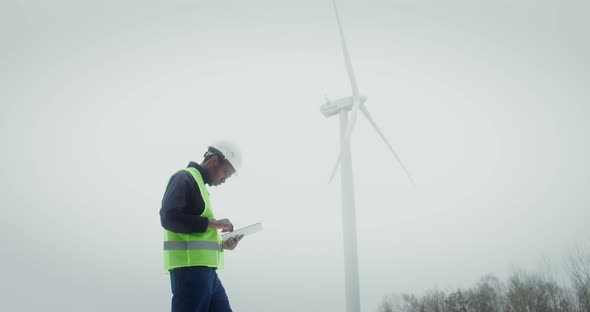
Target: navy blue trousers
pixel 197 289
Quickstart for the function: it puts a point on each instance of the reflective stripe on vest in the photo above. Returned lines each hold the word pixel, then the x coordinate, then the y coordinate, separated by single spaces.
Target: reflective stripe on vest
pixel 194 249
pixel 192 245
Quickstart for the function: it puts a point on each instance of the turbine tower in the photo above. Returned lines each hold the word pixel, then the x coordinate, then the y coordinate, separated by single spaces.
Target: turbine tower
pixel 341 107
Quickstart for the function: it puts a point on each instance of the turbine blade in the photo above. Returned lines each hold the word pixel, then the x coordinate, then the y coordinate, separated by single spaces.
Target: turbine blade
pixel 374 124
pixel 356 103
pixel 355 91
pixel 335 169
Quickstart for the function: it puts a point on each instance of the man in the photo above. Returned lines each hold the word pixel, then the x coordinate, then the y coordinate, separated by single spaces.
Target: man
pixel 193 249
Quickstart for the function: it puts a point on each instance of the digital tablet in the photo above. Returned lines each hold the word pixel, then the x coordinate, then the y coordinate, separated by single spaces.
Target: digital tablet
pixel 250 229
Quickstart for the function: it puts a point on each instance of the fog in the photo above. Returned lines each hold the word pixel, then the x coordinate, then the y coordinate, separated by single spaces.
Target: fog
pixel 486 104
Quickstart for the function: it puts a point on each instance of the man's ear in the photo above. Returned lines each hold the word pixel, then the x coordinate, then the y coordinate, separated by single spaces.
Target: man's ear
pixel 217 160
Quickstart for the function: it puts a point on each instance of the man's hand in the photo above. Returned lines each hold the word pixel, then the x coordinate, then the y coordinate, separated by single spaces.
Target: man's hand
pixel 232 243
pixel 223 224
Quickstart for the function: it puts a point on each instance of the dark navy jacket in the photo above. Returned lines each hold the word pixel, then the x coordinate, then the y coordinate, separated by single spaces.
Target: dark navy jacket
pixel 183 204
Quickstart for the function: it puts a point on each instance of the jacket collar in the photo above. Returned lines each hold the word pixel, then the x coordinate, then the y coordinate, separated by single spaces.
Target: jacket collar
pixel 202 171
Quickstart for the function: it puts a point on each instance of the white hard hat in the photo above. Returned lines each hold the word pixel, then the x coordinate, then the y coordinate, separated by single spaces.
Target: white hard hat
pixel 231 152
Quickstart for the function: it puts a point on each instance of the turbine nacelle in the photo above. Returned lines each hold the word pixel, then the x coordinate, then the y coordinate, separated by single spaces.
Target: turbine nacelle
pixel 331 108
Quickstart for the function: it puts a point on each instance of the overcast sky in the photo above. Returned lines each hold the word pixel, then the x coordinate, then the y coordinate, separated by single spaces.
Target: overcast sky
pixel 486 103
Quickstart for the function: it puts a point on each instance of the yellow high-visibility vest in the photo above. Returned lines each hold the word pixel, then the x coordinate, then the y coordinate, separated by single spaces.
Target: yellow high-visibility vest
pixel 194 249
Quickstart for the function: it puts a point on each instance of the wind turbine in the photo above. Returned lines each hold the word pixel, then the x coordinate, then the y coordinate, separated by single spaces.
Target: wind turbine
pixel 341 107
